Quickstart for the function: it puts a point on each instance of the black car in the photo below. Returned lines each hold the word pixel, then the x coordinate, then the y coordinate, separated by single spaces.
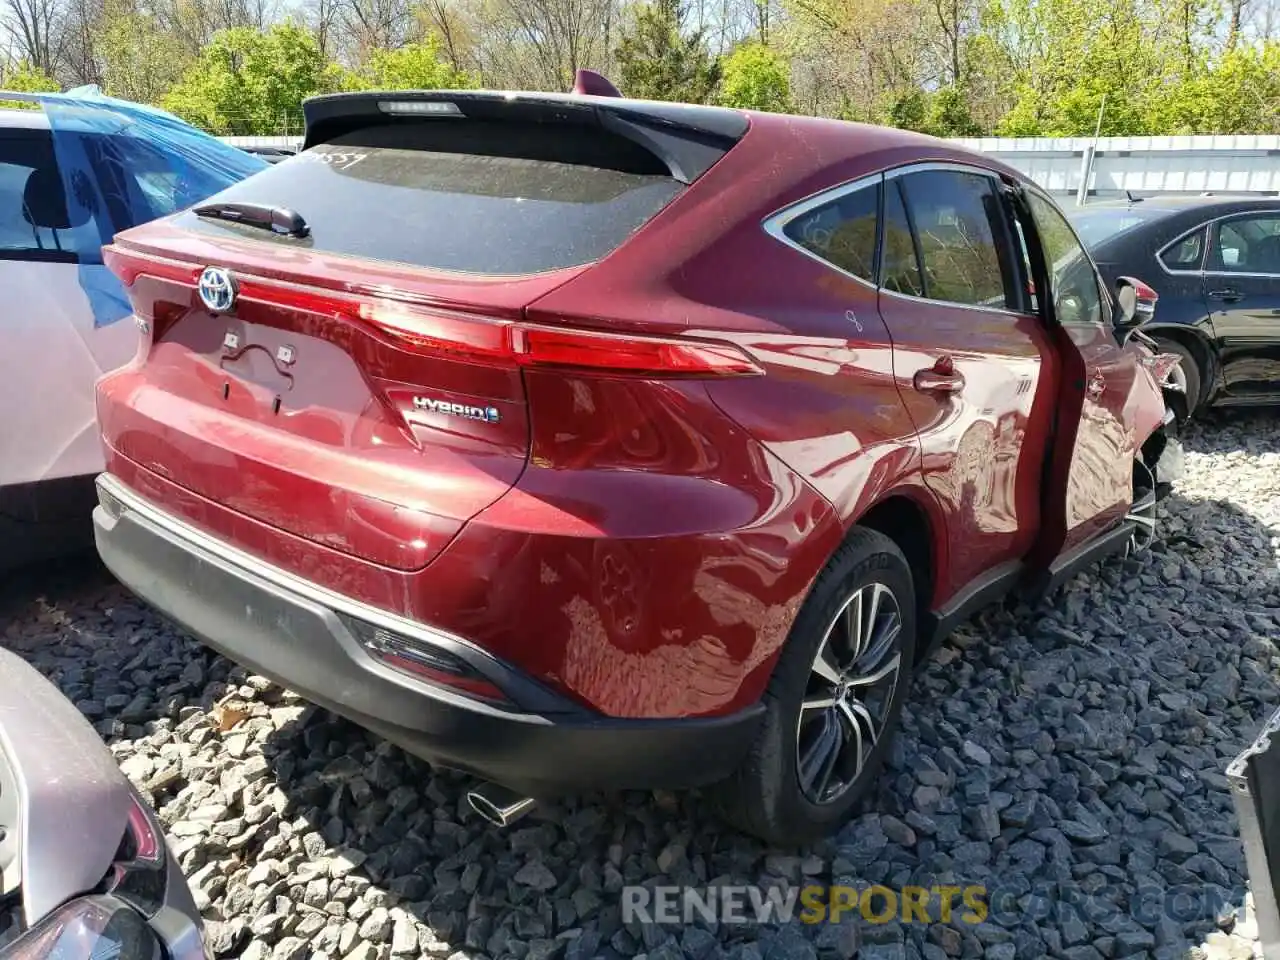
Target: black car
pixel 1215 262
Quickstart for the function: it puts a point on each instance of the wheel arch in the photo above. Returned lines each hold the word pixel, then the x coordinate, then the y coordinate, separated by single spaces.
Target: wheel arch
pixel 1198 344
pixel 902 518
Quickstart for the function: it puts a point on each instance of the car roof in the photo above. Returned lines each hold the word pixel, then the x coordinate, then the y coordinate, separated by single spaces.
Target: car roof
pixel 1177 203
pixel 23 120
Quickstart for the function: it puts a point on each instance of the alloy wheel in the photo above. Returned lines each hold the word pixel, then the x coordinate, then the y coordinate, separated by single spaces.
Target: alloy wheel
pixel 850 689
pixel 1142 514
pixel 1177 378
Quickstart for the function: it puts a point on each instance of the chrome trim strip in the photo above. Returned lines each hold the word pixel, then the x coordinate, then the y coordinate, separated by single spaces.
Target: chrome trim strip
pixel 286 581
pixel 961 166
pixel 959 306
pixel 1228 274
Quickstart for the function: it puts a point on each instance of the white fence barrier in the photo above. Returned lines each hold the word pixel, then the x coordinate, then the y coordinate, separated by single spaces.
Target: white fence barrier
pixel 1142 166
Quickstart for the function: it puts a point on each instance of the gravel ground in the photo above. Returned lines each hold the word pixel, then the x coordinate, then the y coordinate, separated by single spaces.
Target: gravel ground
pixel 1069 758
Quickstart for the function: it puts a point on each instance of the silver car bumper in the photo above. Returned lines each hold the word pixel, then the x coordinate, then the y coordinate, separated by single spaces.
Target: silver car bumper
pixel 65 813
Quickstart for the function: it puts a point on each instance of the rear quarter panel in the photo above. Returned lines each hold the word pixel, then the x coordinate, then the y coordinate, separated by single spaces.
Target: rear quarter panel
pixel 829 405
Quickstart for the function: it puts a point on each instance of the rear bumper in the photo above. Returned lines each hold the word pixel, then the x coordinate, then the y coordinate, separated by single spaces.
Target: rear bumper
pixel 296 633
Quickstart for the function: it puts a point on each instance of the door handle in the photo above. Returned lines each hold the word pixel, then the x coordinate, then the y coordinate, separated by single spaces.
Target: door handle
pixel 1227 295
pixel 1097 386
pixel 932 380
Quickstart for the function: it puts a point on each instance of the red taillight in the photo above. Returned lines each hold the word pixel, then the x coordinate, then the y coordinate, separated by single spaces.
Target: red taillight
pixel 474 337
pixel 439 331
pixel 128 267
pixel 540 346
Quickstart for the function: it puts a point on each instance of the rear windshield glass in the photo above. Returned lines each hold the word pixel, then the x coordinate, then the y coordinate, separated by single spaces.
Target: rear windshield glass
pixel 373 194
pixel 1100 224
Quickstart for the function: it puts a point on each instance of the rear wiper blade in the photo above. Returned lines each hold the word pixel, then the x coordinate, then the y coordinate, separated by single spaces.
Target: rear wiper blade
pixel 280 220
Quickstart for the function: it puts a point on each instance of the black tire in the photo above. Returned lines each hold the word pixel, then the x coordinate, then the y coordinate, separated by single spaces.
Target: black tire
pixel 764 796
pixel 1190 368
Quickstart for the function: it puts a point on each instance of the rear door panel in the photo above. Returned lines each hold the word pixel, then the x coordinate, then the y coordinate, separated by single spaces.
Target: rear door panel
pixel 1241 290
pixel 983 444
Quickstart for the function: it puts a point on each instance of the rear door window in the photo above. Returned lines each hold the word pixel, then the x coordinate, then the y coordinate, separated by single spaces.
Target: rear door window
pixel 963 241
pixel 900 271
pixel 505 202
pixel 35 220
pixel 1247 245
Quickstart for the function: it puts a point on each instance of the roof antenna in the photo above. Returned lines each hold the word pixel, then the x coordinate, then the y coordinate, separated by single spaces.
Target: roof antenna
pixel 1132 198
pixel 592 84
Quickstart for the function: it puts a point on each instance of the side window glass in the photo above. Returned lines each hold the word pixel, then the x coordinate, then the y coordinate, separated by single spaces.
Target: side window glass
pixel 1186 254
pixel 1246 245
pixel 1076 298
pixel 957 220
pixel 900 271
pixel 842 232
pixel 36 223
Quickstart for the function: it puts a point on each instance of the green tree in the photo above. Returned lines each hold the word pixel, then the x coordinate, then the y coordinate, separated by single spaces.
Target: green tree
pixel 1063 58
pixel 949 115
pixel 909 111
pixel 1238 94
pixel 755 77
pixel 250 82
pixel 658 60
pixel 418 66
pixel 24 78
pixel 141 60
pixel 943 113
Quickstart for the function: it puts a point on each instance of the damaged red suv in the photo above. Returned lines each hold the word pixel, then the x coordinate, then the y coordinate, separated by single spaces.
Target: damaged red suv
pixel 579 442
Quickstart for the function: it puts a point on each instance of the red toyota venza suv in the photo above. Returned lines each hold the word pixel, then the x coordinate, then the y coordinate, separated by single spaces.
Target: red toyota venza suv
pixel 579 442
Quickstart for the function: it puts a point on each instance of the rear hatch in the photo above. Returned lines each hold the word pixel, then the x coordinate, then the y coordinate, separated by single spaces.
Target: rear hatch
pixel 359 382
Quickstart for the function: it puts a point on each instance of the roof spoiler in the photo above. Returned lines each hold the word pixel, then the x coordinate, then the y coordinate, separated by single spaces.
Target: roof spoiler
pixel 687 138
pixel 592 84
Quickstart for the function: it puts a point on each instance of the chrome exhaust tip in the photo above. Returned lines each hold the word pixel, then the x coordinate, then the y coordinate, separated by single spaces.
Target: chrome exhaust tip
pixel 498 805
